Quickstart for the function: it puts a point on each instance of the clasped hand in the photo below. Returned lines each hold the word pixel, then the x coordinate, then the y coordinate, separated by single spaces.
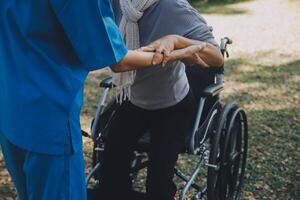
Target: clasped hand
pixel 168 49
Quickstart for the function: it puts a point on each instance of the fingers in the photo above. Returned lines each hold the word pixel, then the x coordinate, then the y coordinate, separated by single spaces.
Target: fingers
pixel 148 49
pixel 163 47
pixel 160 49
pixel 154 47
pixel 159 52
pixel 157 58
pixel 194 50
pixel 166 59
pixel 199 61
pixel 189 55
pixel 166 53
pixel 174 55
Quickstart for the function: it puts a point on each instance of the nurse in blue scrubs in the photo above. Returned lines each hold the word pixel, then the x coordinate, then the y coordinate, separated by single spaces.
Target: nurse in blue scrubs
pixel 47 48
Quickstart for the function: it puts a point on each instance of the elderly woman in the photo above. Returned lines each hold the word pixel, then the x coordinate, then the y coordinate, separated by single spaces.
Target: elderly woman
pixel 157 98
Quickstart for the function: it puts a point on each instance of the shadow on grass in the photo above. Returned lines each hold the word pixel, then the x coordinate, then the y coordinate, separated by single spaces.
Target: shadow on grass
pixel 220 8
pixel 268 74
pixel 274 153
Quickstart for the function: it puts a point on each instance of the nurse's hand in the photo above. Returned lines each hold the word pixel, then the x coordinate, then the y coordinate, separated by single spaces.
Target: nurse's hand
pixel 163 46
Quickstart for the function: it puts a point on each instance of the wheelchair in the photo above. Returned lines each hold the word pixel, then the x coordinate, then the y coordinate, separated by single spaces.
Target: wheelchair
pixel 219 139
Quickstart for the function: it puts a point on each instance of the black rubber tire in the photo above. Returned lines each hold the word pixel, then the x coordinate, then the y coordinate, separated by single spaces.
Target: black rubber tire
pixel 234 160
pixel 104 120
pixel 215 178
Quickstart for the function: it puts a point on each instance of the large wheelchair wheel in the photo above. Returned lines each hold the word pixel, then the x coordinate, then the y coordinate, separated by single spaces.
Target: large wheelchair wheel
pixel 235 149
pixel 227 161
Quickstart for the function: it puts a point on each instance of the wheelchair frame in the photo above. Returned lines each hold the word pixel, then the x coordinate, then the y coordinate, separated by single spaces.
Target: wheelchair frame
pixel 225 130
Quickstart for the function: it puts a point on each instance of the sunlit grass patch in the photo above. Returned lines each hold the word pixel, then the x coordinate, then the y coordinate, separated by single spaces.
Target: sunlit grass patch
pixel 270 94
pixel 219 8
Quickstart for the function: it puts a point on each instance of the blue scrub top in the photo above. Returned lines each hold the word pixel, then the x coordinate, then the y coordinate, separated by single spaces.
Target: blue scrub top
pixel 47 48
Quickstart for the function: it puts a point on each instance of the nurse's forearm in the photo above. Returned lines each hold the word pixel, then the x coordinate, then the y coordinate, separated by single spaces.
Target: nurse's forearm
pixel 135 60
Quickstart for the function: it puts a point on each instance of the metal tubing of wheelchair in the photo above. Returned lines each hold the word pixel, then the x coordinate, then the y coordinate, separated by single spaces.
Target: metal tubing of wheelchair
pixel 139 167
pixel 215 112
pixel 190 182
pixel 89 176
pixel 201 193
pixel 99 111
pixel 103 98
pixel 196 125
pixel 220 79
pixel 186 179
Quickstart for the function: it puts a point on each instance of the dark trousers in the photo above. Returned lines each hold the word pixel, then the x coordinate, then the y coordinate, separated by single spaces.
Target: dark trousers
pixel 168 128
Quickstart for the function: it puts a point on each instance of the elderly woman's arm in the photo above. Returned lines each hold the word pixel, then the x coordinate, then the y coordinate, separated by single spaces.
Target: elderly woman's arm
pixel 137 60
pixel 189 55
pixel 209 53
pixel 190 51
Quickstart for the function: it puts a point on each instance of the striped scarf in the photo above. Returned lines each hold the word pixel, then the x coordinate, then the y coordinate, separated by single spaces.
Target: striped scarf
pixel 132 11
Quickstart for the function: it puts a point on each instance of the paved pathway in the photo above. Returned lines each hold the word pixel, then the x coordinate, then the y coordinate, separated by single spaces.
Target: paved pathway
pixel 266 26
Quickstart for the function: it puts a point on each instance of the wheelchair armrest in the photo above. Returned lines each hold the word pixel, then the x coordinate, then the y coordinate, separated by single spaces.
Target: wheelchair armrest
pixel 107 83
pixel 212 90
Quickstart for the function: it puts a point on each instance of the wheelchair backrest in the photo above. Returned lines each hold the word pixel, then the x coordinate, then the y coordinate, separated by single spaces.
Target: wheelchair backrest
pixel 200 78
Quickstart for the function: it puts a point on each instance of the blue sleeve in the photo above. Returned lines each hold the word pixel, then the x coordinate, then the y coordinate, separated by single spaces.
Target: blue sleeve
pixel 91 29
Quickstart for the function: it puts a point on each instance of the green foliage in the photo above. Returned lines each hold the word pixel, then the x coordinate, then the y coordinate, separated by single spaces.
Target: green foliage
pixel 215 1
pixel 220 7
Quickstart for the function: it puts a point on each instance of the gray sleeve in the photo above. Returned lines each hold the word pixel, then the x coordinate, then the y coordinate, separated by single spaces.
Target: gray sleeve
pixel 184 20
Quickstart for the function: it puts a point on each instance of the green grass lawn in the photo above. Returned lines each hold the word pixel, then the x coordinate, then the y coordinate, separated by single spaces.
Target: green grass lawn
pixel 219 7
pixel 271 96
